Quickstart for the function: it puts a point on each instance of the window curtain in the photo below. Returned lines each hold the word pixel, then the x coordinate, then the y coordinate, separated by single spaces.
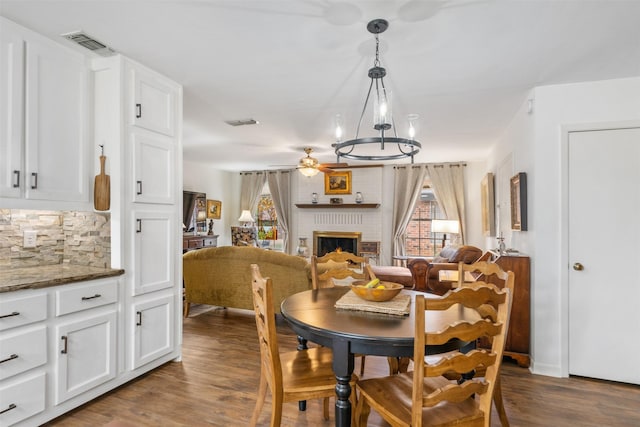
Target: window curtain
pixel 280 188
pixel 407 188
pixel 251 185
pixel 447 181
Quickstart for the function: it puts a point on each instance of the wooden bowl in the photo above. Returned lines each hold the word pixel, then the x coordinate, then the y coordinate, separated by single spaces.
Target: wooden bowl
pixel 390 290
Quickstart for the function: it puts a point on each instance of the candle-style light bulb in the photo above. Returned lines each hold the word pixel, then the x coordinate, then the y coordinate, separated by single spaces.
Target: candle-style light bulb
pixel 339 131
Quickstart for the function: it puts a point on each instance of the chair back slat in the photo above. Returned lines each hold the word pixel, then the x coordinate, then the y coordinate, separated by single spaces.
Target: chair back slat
pixel 455 393
pixel 483 270
pixel 472 296
pixel 461 363
pixel 464 331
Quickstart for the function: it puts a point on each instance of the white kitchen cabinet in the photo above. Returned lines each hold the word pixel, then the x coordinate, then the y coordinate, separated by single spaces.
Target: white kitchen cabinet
pixel 153 158
pixel 22 350
pixel 44 116
pixel 154 330
pixel 11 112
pixel 154 251
pixel 85 336
pixel 23 308
pixel 154 101
pixel 22 398
pixel 86 356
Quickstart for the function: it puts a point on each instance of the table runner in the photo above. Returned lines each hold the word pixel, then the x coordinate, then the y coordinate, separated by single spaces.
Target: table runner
pixel 399 305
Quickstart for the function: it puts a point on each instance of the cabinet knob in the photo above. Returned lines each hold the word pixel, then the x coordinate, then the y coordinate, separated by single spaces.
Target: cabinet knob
pixel 578 267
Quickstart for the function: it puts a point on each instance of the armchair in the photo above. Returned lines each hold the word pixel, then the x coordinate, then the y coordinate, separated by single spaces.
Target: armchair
pixel 426 272
pixel 244 236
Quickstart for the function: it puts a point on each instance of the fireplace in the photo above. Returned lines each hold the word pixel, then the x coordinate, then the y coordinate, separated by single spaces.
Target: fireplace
pixel 328 241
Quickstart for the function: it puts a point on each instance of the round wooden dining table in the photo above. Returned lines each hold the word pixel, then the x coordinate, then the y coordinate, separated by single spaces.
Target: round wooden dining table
pixel 313 316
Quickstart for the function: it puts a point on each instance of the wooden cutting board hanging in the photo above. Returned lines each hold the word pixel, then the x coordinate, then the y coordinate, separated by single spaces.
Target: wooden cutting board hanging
pixel 102 187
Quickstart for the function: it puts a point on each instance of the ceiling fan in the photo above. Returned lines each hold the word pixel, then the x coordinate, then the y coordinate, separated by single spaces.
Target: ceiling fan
pixel 309 166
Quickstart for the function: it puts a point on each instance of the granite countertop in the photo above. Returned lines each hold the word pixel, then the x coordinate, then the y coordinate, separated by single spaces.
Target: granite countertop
pixel 15 279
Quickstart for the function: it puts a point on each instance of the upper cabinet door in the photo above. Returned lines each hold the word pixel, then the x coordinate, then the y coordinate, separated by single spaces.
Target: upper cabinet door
pixel 153 168
pixel 55 123
pixel 154 103
pixel 11 112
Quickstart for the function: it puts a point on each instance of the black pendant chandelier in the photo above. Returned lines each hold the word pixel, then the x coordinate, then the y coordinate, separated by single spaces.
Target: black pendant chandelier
pixel 383 122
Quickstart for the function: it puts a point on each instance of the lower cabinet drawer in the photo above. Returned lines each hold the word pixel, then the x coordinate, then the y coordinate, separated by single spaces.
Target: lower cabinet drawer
pixel 22 309
pixel 21 399
pixel 71 299
pixel 22 351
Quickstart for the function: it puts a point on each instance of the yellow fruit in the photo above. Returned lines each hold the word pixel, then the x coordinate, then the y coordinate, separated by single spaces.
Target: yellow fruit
pixel 373 283
pixel 380 287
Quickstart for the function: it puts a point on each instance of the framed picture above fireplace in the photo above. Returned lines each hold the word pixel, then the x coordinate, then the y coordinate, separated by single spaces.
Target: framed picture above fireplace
pixel 337 182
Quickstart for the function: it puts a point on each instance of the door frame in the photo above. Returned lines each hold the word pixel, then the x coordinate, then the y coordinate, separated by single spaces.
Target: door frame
pixel 565 130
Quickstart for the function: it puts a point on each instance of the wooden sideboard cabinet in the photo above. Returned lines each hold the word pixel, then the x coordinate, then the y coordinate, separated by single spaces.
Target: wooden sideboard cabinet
pixel 190 243
pixel 518 337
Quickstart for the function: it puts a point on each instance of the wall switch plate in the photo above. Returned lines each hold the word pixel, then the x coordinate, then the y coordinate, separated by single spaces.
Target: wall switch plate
pixel 30 239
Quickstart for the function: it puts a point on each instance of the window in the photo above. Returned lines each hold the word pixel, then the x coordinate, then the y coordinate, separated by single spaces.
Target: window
pixel 267 218
pixel 420 240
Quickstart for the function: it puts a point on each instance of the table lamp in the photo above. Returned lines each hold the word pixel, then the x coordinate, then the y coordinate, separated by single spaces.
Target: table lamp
pixel 445 226
pixel 246 218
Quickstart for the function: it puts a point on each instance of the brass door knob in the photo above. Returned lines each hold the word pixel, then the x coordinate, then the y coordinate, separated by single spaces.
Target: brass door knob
pixel 578 267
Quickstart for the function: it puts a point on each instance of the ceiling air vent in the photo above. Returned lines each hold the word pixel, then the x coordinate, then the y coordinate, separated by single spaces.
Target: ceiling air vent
pixel 89 42
pixel 242 122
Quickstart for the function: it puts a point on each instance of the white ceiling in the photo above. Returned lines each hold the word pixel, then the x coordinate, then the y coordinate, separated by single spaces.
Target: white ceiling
pixel 465 66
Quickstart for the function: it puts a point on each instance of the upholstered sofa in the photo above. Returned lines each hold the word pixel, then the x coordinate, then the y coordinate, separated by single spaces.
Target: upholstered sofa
pixel 222 277
pixel 426 272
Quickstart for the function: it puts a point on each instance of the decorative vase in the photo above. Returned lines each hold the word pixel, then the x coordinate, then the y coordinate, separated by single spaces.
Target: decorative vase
pixel 359 197
pixel 302 249
pixel 314 198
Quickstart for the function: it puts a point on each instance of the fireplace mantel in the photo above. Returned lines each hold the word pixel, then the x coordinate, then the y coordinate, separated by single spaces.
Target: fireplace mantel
pixel 337 205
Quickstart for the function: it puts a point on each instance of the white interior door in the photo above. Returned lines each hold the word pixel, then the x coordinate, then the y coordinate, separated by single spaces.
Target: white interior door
pixel 604 254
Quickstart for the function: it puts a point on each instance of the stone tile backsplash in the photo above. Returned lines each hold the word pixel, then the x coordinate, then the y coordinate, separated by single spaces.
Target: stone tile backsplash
pixel 82 238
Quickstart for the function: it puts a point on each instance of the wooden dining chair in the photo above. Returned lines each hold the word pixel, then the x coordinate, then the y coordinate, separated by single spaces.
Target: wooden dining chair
pixel 483 272
pixel 425 397
pixel 339 265
pixel 290 376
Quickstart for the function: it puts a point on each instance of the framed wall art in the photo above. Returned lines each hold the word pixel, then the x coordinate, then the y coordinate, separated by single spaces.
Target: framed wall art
pixel 337 182
pixel 214 209
pixel 487 201
pixel 519 202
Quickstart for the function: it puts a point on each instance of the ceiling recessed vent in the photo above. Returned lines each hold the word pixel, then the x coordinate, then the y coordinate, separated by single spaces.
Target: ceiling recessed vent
pixel 89 42
pixel 242 122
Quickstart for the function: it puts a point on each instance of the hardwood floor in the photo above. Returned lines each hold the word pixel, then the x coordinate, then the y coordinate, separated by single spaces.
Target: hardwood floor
pixel 215 385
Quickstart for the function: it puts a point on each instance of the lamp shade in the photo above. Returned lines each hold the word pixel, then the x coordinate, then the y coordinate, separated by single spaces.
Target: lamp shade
pixel 445 226
pixel 309 171
pixel 245 217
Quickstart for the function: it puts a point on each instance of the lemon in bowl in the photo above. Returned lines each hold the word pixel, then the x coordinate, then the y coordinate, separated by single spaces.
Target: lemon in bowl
pixel 380 291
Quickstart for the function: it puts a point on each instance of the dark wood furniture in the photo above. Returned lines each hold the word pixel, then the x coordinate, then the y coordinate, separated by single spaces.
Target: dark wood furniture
pixel 518 338
pixel 190 243
pixel 312 315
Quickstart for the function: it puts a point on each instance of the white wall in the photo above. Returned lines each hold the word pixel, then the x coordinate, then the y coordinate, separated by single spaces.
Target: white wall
pixel 377 186
pixel 535 141
pixel 218 185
